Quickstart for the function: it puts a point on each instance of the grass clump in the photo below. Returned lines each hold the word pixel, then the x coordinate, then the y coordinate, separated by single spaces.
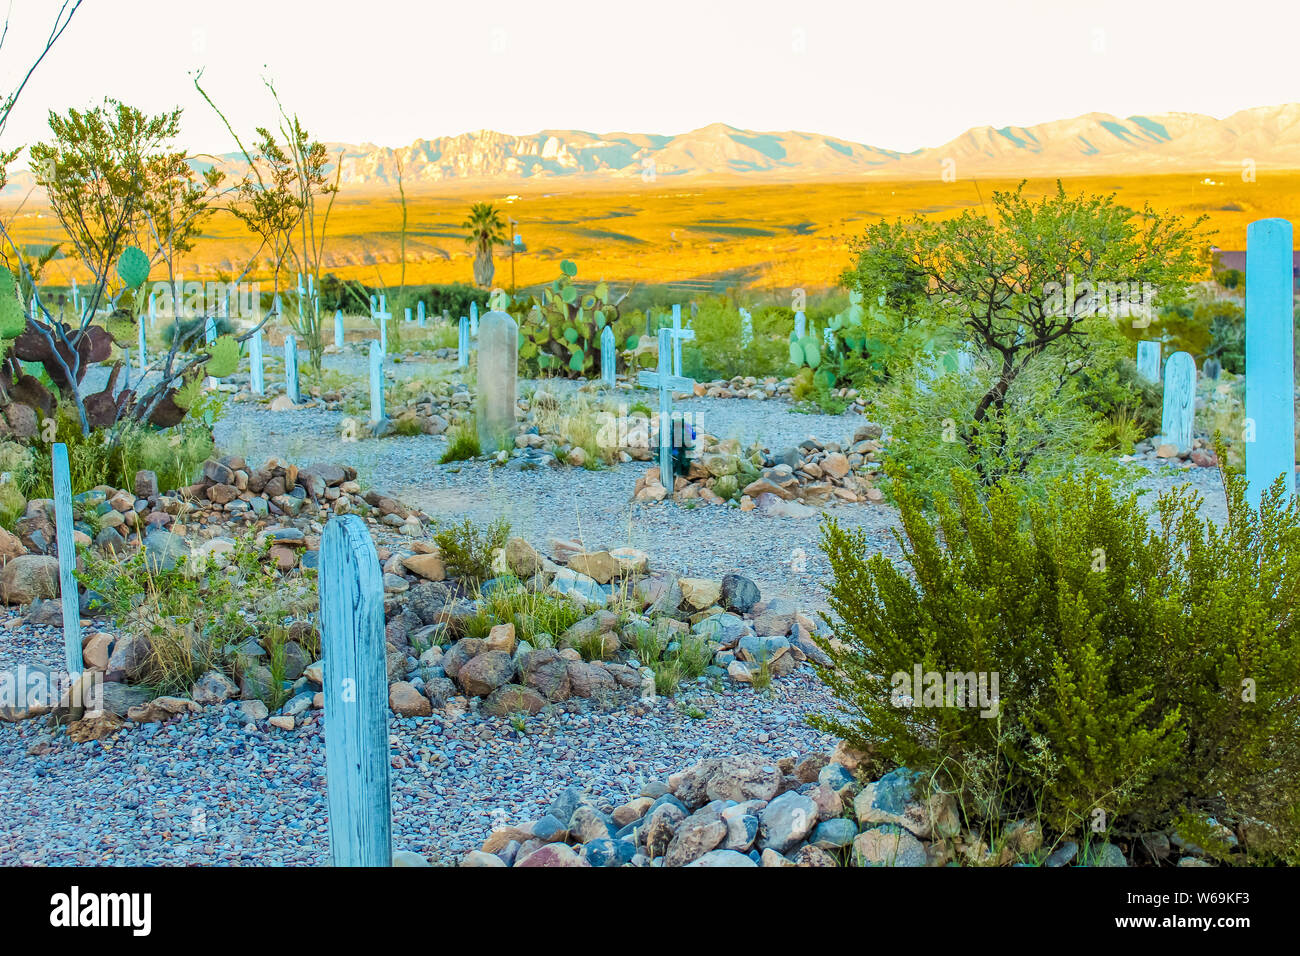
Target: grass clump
pixel 462 443
pixel 1150 673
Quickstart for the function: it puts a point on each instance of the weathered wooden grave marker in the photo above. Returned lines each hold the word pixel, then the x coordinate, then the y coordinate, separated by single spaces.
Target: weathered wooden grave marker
pixel 462 344
pixel 1270 357
pixel 291 368
pixel 67 552
pixel 358 793
pixel 1180 401
pixel 1148 360
pixel 256 373
pixel 665 382
pixel 376 382
pixel 608 357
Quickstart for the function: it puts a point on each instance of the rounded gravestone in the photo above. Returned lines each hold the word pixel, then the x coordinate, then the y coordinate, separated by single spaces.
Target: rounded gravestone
pixel 498 368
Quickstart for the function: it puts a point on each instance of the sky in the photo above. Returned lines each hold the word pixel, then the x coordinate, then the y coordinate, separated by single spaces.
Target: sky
pixel 899 75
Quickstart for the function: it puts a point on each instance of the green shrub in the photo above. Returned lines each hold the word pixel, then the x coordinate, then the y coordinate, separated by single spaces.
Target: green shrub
pixel 1044 430
pixel 467 550
pixel 718 351
pixel 1150 672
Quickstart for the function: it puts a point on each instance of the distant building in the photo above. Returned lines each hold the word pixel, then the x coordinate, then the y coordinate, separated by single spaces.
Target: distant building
pixel 1225 259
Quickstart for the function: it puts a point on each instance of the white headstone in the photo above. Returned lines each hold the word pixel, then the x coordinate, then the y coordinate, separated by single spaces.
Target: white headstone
pixel 498 370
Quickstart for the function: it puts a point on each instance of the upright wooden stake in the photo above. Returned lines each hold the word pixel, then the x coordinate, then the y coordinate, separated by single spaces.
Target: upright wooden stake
pixel 356 696
pixel 67 551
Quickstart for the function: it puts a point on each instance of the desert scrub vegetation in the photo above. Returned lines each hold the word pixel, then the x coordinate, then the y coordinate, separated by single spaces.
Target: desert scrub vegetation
pixel 176 455
pixel 193 614
pixel 469 550
pixel 1149 672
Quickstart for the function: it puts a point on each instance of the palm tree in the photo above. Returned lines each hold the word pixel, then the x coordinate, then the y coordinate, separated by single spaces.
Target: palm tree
pixel 486 229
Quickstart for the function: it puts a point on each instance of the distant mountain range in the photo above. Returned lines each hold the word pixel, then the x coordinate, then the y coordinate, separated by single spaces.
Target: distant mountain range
pixel 1097 143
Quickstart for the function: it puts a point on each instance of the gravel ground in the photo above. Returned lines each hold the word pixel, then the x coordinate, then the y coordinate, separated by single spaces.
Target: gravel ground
pixel 780 554
pixel 204 790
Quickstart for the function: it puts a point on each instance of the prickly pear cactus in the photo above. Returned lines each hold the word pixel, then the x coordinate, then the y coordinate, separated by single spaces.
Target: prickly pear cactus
pixel 133 267
pixel 12 317
pixel 223 357
pixel 561 332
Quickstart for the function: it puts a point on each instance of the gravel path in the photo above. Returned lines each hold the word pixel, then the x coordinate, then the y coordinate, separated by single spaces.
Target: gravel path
pixel 780 554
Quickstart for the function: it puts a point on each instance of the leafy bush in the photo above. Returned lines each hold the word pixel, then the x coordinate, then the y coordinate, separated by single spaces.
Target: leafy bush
pixel 175 454
pixel 467 550
pixel 1042 431
pixel 719 351
pixel 1149 671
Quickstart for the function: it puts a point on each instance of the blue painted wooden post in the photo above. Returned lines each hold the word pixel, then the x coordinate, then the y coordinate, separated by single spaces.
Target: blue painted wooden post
pixel 419 313
pixel 1180 401
pixel 256 374
pixel 153 309
pixel 406 317
pixel 462 344
pixel 67 551
pixel 376 382
pixel 291 368
pixel 210 330
pixel 800 325
pixel 279 306
pixel 665 381
pixel 143 346
pixel 374 306
pixel 338 328
pixel 301 292
pixel 473 320
pixel 355 681
pixel 1148 360
pixel 1270 353
pixel 608 359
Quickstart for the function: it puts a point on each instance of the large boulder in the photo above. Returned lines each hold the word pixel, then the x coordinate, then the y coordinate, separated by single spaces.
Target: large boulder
pixel 485 672
pixel 739 593
pixel 28 577
pixel 547 672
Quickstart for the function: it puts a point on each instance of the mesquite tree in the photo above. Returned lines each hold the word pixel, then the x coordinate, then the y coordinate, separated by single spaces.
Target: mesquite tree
pixel 1034 278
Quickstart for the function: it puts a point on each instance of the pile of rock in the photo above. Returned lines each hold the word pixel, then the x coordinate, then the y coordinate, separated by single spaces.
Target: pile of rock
pixel 284 504
pixel 435 663
pixel 813 810
pixel 797 483
pixel 1200 455
pixel 745 386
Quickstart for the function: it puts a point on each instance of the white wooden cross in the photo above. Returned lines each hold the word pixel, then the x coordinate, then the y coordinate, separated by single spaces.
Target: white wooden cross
pixel 666 383
pixel 382 316
pixel 679 335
